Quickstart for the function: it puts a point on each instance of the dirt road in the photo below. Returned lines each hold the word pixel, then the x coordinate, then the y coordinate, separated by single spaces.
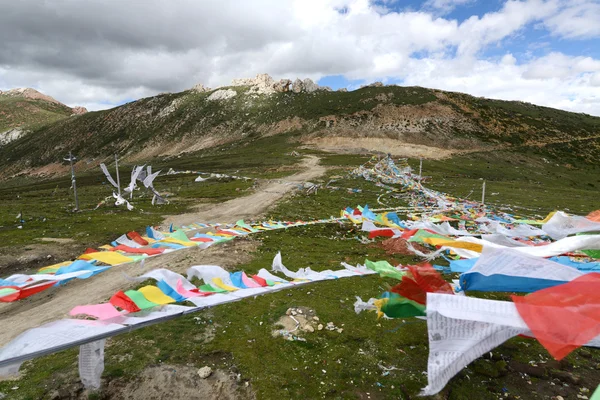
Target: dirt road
pixel 55 303
pixel 253 205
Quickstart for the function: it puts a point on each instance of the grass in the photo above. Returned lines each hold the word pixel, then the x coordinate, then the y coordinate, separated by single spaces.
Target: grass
pixel 345 365
pixel 47 205
pixel 29 114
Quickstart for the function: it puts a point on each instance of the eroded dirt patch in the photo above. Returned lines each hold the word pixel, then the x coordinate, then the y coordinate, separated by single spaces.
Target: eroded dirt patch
pixel 381 145
pixel 160 382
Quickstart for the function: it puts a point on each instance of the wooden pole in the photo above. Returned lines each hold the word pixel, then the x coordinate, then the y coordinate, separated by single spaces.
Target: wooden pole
pixel 483 194
pixel 73 182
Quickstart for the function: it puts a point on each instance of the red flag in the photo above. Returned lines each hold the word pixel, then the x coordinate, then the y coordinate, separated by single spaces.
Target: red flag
pixel 422 279
pixel 563 317
pixel 381 232
pixel 122 301
pixel 133 235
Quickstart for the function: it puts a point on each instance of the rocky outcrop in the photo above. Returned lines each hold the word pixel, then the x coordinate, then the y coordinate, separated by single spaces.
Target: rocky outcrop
pixel 282 86
pixel 221 94
pixel 262 84
pixel 79 110
pixel 374 84
pixel 200 88
pixel 297 86
pixel 310 86
pixel 10 135
pixel 342 89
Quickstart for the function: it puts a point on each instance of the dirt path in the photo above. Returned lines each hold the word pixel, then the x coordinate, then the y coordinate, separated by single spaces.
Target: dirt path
pixel 55 303
pixel 253 205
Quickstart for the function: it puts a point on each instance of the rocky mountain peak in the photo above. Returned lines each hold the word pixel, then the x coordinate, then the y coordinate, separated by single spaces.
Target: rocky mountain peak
pixel 30 93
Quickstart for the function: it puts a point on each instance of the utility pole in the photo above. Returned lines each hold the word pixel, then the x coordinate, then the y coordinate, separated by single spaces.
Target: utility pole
pixel 483 194
pixel 73 182
pixel 118 179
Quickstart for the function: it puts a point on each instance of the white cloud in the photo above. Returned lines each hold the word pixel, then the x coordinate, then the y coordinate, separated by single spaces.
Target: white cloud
pixel 571 90
pixel 101 54
pixel 576 19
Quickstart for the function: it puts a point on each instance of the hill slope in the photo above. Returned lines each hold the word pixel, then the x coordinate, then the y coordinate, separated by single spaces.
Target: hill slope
pixel 26 109
pixel 171 124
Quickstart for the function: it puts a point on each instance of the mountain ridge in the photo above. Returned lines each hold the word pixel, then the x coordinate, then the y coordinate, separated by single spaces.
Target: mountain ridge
pixel 23 110
pixel 172 124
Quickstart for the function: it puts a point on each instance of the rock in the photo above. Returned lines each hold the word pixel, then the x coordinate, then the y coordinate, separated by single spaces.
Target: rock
pixel 11 135
pixel 538 372
pixel 340 330
pixel 374 84
pixel 308 328
pixel 262 84
pixel 320 327
pixel 298 86
pixel 584 353
pixel 294 313
pixel 559 398
pixel 79 110
pixel 204 372
pixel 315 318
pixel 342 89
pixel 310 86
pixel 566 377
pixel 326 88
pixel 288 311
pixel 200 88
pixel 222 94
pixel 282 86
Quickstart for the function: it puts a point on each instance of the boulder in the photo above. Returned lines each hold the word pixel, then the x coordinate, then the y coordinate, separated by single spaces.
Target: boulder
pixel 310 86
pixel 282 86
pixel 79 110
pixel 297 86
pixel 205 372
pixel 262 84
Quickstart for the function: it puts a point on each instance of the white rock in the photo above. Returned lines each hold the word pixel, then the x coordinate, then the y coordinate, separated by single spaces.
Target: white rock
pixel 310 86
pixel 320 327
pixel 221 94
pixel 204 372
pixel 298 86
pixel 10 135
pixel 262 84
pixel 282 86
pixel 200 88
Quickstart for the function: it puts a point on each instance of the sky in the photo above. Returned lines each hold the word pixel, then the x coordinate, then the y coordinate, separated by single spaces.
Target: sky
pixel 103 53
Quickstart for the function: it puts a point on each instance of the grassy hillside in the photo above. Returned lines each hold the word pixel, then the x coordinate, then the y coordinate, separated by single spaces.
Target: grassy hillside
pixel 172 124
pixel 29 114
pixel 237 338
